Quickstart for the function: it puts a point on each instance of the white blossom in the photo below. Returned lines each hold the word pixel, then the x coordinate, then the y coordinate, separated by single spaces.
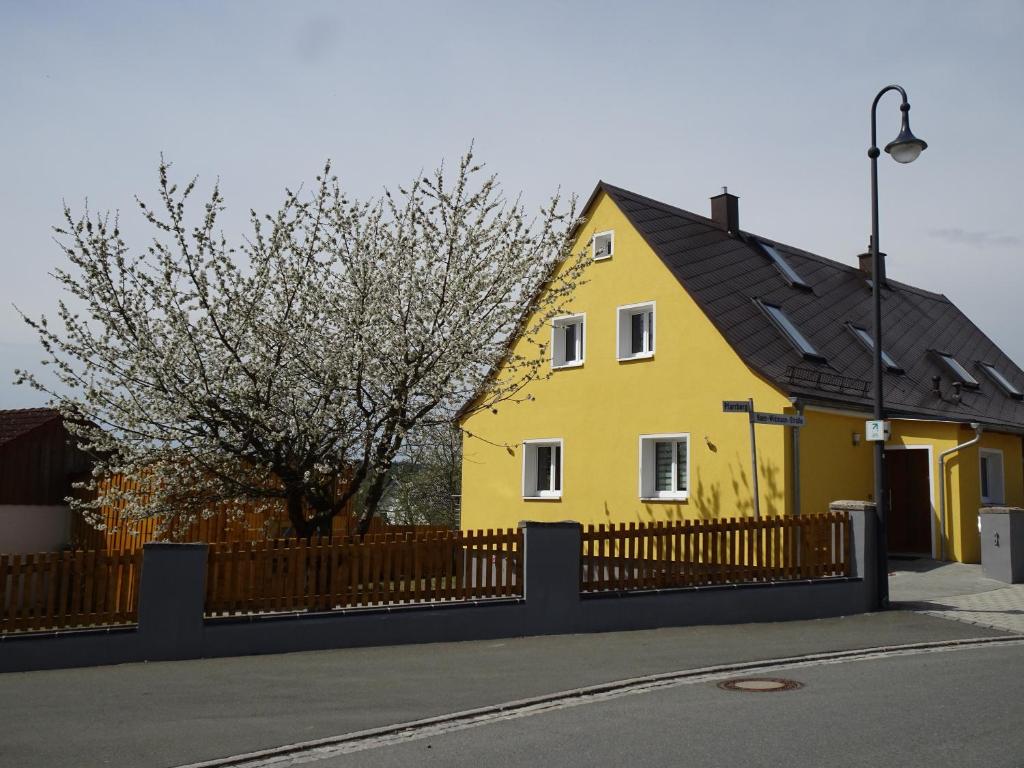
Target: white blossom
pixel 292 367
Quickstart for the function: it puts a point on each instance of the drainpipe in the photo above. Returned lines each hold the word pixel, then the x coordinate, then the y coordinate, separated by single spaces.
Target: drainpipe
pixel 942 485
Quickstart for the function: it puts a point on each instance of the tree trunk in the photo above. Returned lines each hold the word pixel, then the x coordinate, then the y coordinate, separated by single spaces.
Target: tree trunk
pixel 303 528
pixel 370 502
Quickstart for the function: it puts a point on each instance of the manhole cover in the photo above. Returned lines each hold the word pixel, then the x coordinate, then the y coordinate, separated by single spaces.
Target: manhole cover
pixel 760 684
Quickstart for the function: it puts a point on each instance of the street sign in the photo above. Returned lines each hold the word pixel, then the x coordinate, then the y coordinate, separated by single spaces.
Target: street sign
pixel 777 419
pixel 735 406
pixel 877 430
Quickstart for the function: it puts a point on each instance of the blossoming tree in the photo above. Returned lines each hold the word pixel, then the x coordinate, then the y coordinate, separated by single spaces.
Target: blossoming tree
pixel 290 368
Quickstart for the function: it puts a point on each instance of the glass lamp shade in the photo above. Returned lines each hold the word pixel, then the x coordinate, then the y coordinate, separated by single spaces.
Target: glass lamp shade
pixel 906 147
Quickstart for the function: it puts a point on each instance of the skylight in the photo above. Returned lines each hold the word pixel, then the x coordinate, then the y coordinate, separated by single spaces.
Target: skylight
pixel 1004 383
pixel 783 266
pixel 958 370
pixel 869 342
pixel 786 325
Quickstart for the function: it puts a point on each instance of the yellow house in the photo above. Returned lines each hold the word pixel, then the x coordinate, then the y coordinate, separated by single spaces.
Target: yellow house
pixel 679 313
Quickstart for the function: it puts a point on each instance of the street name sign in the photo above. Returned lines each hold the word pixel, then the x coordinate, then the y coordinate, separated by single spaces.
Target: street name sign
pixel 735 406
pixel 777 419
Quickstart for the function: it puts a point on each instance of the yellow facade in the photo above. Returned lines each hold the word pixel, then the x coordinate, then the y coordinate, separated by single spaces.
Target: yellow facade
pixel 600 409
pixel 832 466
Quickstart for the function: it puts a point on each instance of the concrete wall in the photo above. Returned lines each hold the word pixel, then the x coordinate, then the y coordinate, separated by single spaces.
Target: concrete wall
pixel 28 528
pixel 171 624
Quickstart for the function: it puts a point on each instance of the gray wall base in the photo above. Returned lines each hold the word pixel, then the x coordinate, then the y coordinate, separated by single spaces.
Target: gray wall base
pixel 171 624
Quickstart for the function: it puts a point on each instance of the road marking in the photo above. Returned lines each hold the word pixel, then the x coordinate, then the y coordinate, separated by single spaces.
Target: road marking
pixel 358 741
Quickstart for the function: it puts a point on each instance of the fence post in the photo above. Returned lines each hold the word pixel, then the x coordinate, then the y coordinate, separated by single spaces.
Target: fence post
pixel 171 600
pixel 1002 543
pixel 863 522
pixel 551 576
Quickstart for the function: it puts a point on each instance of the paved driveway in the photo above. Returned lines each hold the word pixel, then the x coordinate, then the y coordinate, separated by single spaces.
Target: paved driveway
pixel 956 591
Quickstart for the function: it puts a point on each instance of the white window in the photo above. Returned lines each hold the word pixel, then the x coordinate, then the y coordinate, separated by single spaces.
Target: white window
pixel 636 331
pixel 664 466
pixel 991 477
pixel 567 341
pixel 602 245
pixel 542 469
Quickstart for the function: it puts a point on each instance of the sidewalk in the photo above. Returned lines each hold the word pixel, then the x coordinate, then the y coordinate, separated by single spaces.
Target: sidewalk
pixel 169 713
pixel 956 591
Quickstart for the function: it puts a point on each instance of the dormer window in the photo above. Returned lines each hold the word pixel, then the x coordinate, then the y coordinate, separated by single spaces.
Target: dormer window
pixel 603 245
pixel 865 338
pixel 784 267
pixel 959 372
pixel 796 338
pixel 567 341
pixel 1004 383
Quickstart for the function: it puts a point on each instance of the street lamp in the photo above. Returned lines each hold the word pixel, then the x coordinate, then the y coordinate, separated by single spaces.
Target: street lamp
pixel 905 148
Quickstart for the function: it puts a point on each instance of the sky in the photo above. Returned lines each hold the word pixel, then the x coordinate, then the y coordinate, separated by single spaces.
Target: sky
pixel 669 99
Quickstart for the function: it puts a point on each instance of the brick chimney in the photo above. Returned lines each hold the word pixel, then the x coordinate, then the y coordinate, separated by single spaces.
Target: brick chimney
pixel 725 211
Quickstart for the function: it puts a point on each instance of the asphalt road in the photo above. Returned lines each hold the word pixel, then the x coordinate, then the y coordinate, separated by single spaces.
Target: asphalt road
pixel 167 714
pixel 959 708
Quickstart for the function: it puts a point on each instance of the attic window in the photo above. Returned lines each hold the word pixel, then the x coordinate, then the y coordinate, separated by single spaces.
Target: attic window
pixel 1004 383
pixel 603 245
pixel 796 338
pixel 958 370
pixel 867 341
pixel 783 266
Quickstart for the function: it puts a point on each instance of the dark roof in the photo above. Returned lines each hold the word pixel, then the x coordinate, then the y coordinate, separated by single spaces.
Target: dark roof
pixel 727 274
pixel 16 423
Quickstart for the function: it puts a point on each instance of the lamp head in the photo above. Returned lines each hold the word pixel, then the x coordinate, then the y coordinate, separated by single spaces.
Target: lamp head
pixel 906 147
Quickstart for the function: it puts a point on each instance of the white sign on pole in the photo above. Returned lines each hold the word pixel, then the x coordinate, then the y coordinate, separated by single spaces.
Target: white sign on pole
pixel 877 430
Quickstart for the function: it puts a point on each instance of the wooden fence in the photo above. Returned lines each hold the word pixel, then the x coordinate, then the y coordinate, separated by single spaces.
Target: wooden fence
pixel 724 551
pixel 54 590
pixel 119 535
pixel 378 569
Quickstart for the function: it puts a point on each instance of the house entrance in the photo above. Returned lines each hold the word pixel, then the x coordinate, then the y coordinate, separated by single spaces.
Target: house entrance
pixel 910 507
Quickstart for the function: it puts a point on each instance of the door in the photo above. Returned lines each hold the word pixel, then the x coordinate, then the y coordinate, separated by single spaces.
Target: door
pixel 910 507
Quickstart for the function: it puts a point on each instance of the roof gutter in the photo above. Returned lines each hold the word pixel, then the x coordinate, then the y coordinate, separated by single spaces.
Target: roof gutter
pixel 942 485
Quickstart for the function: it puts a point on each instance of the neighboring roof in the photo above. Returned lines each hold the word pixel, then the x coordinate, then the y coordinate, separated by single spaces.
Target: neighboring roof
pixel 726 274
pixel 15 423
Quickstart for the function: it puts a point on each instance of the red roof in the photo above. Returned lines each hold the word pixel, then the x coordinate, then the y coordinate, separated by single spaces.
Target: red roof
pixel 16 423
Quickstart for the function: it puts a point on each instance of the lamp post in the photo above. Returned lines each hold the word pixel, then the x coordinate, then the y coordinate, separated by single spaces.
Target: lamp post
pixel 905 148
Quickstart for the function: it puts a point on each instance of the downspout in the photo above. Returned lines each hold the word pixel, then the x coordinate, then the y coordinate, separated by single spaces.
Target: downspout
pixel 942 485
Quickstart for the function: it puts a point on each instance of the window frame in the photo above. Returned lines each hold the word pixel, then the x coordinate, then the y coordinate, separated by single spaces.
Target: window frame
pixel 805 349
pixel 624 342
pixel 866 340
pixel 611 245
pixel 957 369
pixel 1001 380
pixel 558 345
pixel 983 479
pixel 784 268
pixel 529 454
pixel 645 486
